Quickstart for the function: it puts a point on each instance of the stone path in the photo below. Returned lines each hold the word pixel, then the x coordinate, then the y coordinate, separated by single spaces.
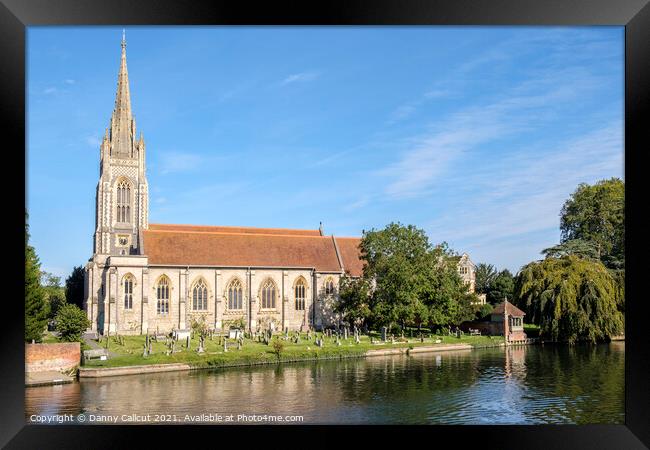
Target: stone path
pixel 95 346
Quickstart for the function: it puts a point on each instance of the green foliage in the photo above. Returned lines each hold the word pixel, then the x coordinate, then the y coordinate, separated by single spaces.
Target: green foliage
pixel 199 325
pixel 577 247
pixel 354 296
pixel 53 293
pixel 485 275
pixel 74 287
pixel 571 299
pixel 409 280
pixel 36 309
pixel 483 311
pixel 71 322
pixel 501 288
pixel 278 348
pixel 596 214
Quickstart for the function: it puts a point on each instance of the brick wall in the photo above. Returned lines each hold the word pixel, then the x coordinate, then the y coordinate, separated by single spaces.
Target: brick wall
pixel 43 357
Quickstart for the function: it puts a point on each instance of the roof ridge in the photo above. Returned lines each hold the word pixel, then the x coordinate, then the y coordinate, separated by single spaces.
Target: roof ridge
pixel 233 226
pixel 237 234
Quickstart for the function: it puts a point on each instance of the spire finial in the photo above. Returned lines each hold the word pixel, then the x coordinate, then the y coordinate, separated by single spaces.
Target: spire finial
pixel 123 38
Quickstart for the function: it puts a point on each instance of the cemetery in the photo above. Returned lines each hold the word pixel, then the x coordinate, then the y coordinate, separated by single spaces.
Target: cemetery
pixel 236 348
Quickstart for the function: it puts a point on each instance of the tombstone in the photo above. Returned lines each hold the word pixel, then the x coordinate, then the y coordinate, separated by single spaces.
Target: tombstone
pixel 225 345
pixel 201 349
pixel 239 344
pixel 144 352
pixel 392 339
pixel 383 333
pixel 187 342
pixel 421 337
pixel 309 334
pixel 150 347
pixel 181 334
pixel 458 333
pixel 356 339
pixel 345 333
pixel 320 343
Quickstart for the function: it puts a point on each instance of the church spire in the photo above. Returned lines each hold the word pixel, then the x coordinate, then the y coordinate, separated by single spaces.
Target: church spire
pixel 122 131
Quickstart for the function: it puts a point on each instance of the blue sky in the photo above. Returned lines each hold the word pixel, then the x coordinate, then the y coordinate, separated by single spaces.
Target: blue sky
pixel 475 134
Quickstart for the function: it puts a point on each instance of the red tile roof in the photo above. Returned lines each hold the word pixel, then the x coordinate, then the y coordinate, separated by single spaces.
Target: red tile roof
pixel 512 309
pixel 239 247
pixel 241 230
pixel 350 255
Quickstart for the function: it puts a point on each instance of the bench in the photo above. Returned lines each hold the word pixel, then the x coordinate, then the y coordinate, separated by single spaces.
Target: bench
pixel 474 332
pixel 99 353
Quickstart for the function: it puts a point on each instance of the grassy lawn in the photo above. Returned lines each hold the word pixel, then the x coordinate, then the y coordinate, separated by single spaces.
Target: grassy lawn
pixel 253 352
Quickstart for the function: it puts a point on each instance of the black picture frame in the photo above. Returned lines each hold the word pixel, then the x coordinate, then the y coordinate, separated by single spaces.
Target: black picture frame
pixel 16 15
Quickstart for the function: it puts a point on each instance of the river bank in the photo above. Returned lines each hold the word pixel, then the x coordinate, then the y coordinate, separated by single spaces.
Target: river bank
pixel 254 353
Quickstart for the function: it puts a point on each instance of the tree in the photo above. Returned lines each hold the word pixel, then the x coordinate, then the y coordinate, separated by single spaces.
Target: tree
pixel 483 311
pixel 578 247
pixel 354 296
pixel 501 288
pixel 74 287
pixel 571 299
pixel 485 275
pixel 54 293
pixel 35 305
pixel 411 281
pixel 71 322
pixel 597 214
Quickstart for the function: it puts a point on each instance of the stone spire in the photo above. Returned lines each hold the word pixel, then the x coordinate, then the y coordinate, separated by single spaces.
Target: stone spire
pixel 122 124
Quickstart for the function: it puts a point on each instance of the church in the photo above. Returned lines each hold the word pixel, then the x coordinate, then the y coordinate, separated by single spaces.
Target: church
pixel 155 278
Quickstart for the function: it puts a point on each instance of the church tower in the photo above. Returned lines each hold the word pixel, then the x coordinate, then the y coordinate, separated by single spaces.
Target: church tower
pixel 122 197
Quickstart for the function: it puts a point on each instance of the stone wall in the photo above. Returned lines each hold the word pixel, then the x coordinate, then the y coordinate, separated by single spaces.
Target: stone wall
pixel 44 357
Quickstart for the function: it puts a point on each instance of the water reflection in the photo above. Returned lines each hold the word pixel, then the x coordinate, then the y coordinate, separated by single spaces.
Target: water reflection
pixel 523 385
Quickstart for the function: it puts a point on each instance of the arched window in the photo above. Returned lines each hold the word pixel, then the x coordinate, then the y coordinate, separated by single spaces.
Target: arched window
pixel 235 295
pixel 329 286
pixel 268 295
pixel 124 202
pixel 162 295
pixel 299 290
pixel 128 292
pixel 200 296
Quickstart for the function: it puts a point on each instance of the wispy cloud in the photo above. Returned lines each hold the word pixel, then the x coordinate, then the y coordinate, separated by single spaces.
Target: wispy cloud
pixel 69 81
pixel 50 90
pixel 523 193
pixel 522 108
pixel 300 77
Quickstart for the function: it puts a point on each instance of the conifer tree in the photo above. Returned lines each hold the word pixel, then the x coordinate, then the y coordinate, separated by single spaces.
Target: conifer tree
pixel 35 304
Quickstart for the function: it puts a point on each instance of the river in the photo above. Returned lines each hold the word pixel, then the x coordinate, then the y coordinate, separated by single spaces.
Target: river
pixel 518 385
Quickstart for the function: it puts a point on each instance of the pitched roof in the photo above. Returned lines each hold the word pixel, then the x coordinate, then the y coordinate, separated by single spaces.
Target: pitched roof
pixel 223 229
pixel 512 309
pixel 239 247
pixel 350 255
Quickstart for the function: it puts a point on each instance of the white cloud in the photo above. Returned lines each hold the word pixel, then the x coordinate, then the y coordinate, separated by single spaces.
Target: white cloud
pixel 69 81
pixel 50 90
pixel 299 77
pixel 93 141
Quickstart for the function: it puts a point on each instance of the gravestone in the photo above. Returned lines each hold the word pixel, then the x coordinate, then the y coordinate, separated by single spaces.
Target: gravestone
pixel 384 330
pixel 181 334
pixel 234 333
pixel 225 345
pixel 356 339
pixel 201 349
pixel 187 342
pixel 239 344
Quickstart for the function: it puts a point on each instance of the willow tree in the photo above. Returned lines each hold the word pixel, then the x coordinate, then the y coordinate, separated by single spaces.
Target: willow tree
pixel 571 299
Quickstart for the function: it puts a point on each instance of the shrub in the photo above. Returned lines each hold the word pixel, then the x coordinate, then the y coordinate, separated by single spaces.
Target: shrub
pixel 278 348
pixel 71 322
